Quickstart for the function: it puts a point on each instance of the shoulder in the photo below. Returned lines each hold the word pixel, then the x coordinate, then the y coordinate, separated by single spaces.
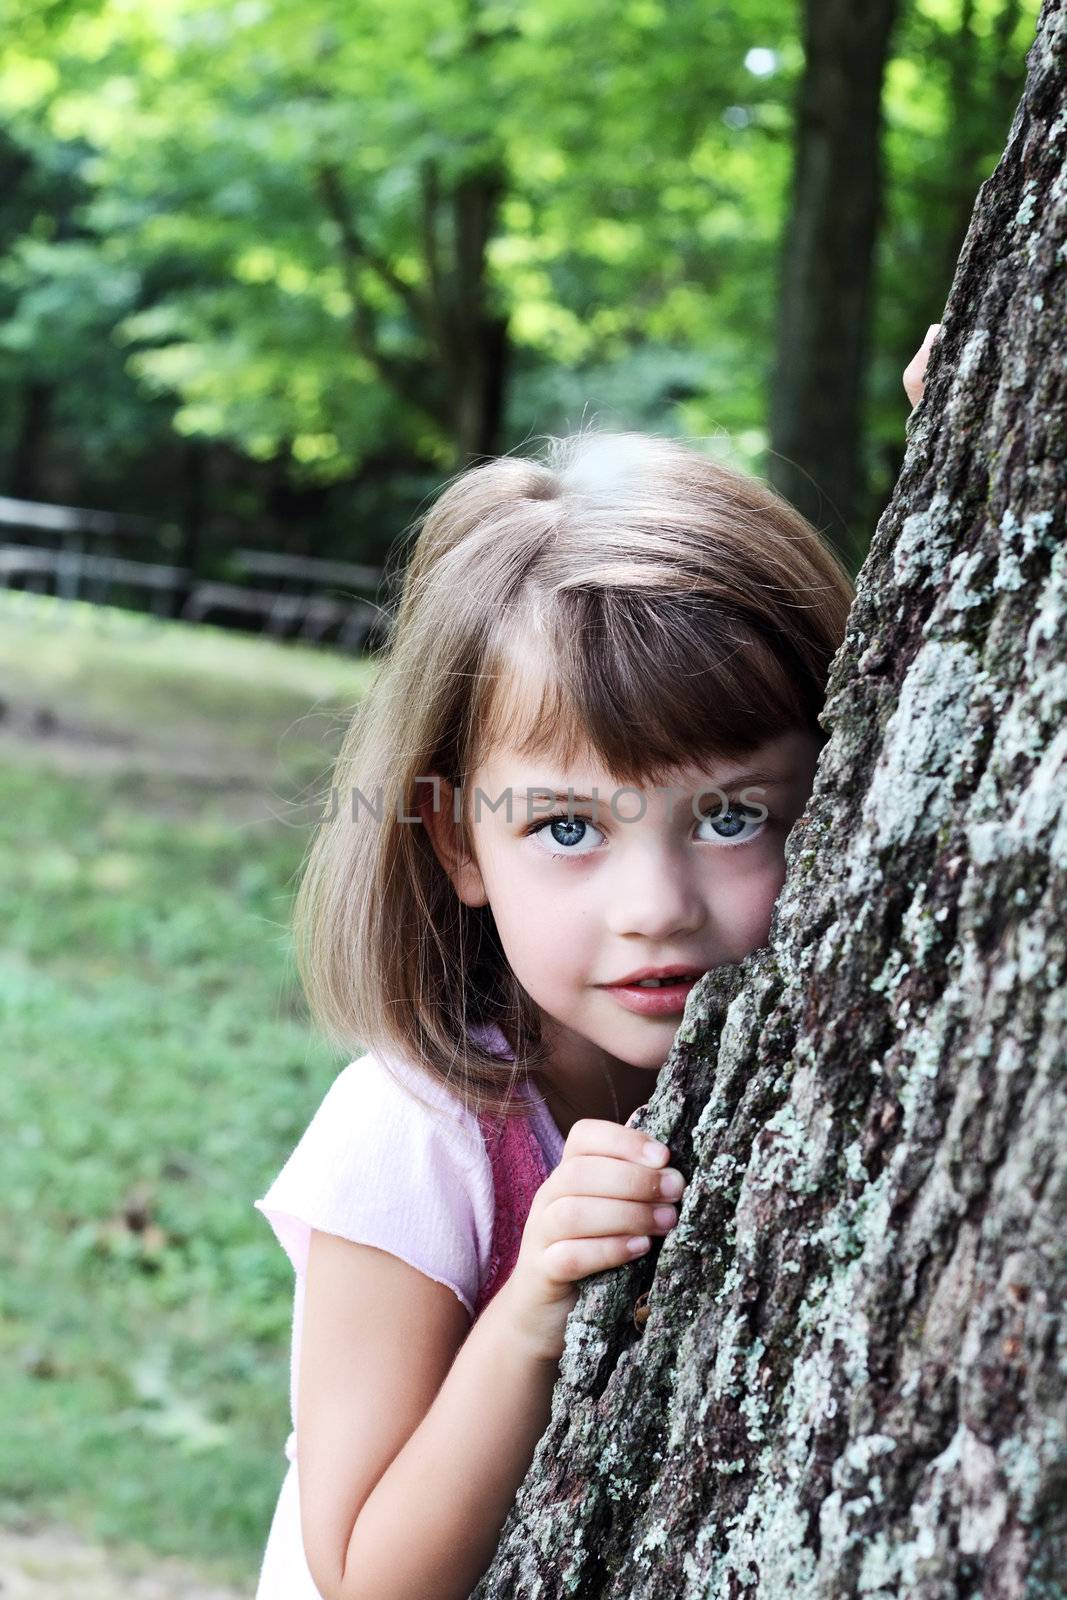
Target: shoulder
pixel 390 1094
pixel 391 1157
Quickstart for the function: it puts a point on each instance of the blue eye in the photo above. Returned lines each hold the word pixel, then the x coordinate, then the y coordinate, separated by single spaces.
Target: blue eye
pixel 566 831
pixel 730 825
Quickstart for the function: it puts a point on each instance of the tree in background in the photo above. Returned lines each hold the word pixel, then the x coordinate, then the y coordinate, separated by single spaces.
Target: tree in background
pixel 843 1373
pixel 827 283
pixel 826 455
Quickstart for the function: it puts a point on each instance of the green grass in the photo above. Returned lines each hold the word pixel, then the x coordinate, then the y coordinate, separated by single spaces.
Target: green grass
pixel 158 1067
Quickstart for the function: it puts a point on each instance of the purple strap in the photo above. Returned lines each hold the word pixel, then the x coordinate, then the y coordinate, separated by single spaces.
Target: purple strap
pixel 519 1170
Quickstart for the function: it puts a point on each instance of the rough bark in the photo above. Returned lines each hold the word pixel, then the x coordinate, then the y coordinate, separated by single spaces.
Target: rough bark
pixel 827 274
pixel 851 1377
pixel 973 112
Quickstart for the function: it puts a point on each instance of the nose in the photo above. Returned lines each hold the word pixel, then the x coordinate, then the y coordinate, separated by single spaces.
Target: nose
pixel 655 895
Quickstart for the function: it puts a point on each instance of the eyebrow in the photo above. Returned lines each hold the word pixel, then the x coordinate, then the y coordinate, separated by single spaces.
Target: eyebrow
pixel 770 780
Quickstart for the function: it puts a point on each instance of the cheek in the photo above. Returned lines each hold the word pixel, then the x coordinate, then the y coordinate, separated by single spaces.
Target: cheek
pixel 745 900
pixel 540 915
pixel 523 905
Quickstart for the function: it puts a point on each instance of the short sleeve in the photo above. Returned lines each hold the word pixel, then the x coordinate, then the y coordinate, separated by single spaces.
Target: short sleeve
pixel 380 1166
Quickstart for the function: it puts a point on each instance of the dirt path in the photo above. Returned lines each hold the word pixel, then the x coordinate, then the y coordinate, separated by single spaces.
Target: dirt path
pixel 57 1564
pixel 185 778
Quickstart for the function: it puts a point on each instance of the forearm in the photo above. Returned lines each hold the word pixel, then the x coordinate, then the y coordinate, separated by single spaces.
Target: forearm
pixel 429 1528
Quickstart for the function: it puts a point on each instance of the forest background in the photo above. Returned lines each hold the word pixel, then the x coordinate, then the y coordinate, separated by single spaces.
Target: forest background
pixel 269 274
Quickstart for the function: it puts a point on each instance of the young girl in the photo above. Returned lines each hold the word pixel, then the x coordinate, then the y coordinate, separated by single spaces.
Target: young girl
pixel 590 734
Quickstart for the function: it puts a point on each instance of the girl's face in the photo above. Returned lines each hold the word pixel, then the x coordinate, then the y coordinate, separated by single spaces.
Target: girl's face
pixel 583 897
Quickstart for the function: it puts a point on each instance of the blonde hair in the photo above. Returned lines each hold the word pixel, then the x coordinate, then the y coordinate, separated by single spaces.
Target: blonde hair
pixel 685 611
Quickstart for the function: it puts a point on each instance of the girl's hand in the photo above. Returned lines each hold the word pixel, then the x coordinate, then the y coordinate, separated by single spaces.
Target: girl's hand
pixel 606 1191
pixel 915 371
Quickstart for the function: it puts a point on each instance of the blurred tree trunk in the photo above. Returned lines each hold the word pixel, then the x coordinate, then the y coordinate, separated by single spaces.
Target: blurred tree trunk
pixel 194 510
pixel 26 465
pixel 470 338
pixel 825 290
pixel 459 385
pixel 458 381
pixel 851 1378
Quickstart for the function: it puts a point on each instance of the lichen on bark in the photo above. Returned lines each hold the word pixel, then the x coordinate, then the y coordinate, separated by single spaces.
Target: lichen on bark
pixel 851 1379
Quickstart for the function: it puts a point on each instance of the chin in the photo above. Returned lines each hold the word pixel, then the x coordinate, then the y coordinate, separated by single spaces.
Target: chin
pixel 648 1057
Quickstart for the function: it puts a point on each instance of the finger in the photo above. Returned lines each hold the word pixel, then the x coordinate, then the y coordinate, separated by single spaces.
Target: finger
pixel 915 371
pixel 592 1136
pixel 615 1179
pixel 586 1216
pixel 571 1259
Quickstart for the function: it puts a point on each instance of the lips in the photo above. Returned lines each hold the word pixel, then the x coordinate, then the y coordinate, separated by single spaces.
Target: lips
pixel 675 970
pixel 662 983
pixel 663 1000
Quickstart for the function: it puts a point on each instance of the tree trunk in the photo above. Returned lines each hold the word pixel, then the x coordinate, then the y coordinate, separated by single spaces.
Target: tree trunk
pixel 470 337
pixel 459 384
pixel 851 1378
pixel 26 465
pixel 824 299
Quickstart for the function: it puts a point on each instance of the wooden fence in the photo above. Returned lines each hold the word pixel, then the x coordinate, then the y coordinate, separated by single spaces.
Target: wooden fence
pixel 280 595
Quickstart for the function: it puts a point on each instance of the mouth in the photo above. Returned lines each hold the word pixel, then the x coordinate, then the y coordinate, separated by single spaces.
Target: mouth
pixel 654 997
pixel 662 983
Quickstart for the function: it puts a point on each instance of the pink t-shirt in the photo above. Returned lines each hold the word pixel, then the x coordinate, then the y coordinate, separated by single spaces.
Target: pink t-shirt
pixel 377 1166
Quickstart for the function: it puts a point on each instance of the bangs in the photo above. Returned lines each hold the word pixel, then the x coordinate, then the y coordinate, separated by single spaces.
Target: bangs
pixel 649 681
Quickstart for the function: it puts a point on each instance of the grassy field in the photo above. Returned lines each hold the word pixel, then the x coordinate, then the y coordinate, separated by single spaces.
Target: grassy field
pixel 158 1067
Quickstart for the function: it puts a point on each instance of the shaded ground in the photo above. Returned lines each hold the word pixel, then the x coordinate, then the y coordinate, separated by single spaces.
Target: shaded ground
pixel 179 781
pixel 55 1564
pixel 218 716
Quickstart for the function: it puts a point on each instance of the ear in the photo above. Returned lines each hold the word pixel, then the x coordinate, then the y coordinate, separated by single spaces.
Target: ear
pixel 434 802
